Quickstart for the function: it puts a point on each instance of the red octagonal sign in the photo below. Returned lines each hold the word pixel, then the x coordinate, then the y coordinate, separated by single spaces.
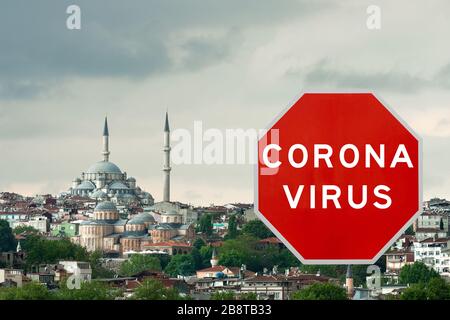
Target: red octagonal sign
pixel 338 178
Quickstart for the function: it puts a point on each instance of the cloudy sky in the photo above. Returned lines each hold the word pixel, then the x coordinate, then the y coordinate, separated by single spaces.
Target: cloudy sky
pixel 230 64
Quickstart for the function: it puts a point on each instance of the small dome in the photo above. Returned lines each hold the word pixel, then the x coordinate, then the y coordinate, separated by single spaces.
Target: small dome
pixel 104 167
pixel 77 180
pixel 145 217
pixel 131 179
pixel 105 206
pixel 99 194
pixel 135 220
pixel 86 185
pixel 117 186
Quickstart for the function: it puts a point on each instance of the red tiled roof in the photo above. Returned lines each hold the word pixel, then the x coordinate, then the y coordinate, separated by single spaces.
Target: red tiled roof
pixel 213 269
pixel 216 244
pixel 169 243
pixel 266 278
pixel 437 240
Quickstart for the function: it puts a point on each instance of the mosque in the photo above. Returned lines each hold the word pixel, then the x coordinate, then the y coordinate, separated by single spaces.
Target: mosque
pixel 104 180
pixel 106 231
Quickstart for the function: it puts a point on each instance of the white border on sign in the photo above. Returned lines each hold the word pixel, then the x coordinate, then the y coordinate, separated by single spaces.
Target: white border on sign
pixel 343 261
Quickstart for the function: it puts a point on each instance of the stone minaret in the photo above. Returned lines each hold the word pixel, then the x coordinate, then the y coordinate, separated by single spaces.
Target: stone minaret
pixel 105 141
pixel 214 260
pixel 349 281
pixel 166 167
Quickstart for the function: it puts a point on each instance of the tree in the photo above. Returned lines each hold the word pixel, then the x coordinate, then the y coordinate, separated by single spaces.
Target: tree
pixel 199 243
pixel 242 250
pixel 256 228
pixel 321 291
pixel 232 227
pixel 139 263
pixel 441 224
pixel 409 231
pixel 98 271
pixel 40 250
pixel 181 264
pixel 223 295
pixel 152 289
pixel 198 260
pixel 93 290
pixel 438 289
pixel 206 254
pixel 205 224
pixel 333 271
pixel 416 273
pixel 29 291
pixel 7 240
pixel 435 289
pixel 248 296
pixel 415 292
pixel 25 229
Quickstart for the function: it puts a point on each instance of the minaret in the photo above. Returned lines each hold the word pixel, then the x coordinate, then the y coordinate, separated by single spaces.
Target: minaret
pixel 349 281
pixel 105 141
pixel 214 260
pixel 166 167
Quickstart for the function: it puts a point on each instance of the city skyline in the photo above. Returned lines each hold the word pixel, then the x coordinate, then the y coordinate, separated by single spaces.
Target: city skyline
pixel 229 69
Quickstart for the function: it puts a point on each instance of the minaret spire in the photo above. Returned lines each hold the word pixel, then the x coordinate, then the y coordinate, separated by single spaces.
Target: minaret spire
pixel 166 166
pixel 106 141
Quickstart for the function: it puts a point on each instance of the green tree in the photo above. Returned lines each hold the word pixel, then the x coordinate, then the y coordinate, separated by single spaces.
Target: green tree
pixel 138 263
pixel 152 289
pixel 436 289
pixel 248 296
pixel 205 225
pixel 441 224
pixel 416 273
pixel 334 271
pixel 242 250
pixel 40 250
pixel 256 228
pixel 199 243
pixel 415 292
pixel 198 260
pixel 409 230
pixel 29 291
pixel 223 295
pixel 181 264
pixel 321 291
pixel 232 227
pixel 25 229
pixel 206 253
pixel 284 259
pixel 98 271
pixel 7 240
pixel 93 290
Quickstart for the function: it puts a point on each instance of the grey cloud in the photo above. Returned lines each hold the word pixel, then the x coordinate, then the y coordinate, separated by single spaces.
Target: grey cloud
pixel 322 74
pixel 120 38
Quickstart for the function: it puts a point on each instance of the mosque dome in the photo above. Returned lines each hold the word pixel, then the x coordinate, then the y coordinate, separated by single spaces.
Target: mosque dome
pixel 105 206
pixel 86 185
pixel 99 194
pixel 136 220
pixel 104 167
pixel 144 217
pixel 117 185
